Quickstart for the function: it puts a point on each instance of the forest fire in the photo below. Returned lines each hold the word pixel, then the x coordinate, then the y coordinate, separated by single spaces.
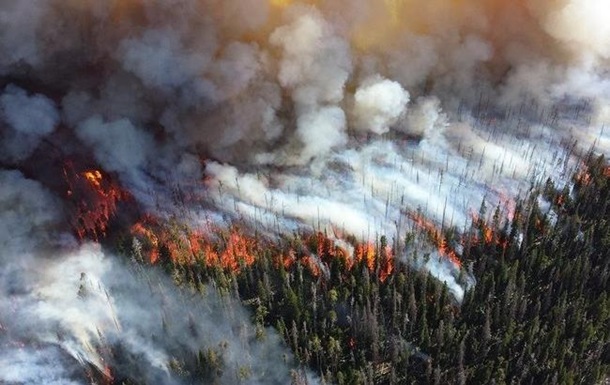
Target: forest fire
pixel 95 197
pixel 108 375
pixel 436 236
pixel 94 177
pixel 488 233
pixel 232 249
pixel 378 260
pixel 238 250
pixel 195 160
pixel 381 257
pixel 584 177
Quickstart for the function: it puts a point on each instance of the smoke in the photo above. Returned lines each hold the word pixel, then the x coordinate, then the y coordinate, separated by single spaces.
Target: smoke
pixel 29 118
pixel 314 67
pixel 378 105
pixel 63 307
pixel 581 26
pixel 345 116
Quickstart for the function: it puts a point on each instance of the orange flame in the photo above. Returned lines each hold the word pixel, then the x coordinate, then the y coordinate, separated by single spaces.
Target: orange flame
pixel 380 262
pixel 312 265
pixel 489 235
pixel 94 177
pixel 351 343
pixel 185 247
pixel 234 250
pixel 141 231
pixel 366 252
pixel 560 200
pixel 108 375
pixel 583 177
pixel 387 265
pixel 289 259
pixel 95 196
pixel 436 236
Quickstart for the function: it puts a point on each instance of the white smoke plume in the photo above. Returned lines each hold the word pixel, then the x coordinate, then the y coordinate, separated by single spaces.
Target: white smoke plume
pixel 314 67
pixel 69 305
pixel 378 103
pixel 279 115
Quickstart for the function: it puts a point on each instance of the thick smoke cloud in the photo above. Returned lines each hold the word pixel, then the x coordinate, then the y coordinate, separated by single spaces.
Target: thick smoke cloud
pixel 581 25
pixel 347 116
pixel 314 66
pixel 69 306
pixel 378 103
pixel 29 119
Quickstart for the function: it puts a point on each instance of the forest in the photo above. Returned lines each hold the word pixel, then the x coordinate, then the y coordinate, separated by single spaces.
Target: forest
pixel 539 312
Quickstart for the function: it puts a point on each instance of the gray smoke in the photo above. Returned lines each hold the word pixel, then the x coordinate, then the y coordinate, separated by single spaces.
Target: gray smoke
pixel 28 119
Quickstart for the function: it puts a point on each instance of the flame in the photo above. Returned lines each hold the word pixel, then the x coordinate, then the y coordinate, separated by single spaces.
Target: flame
pixel 377 261
pixel 490 235
pixel 366 252
pixel 560 200
pixel 313 265
pixel 436 236
pixel 142 230
pixel 232 249
pixel 351 343
pixel 94 177
pixel 289 259
pixel 509 205
pixel 583 176
pixel 326 249
pixel 95 197
pixel 236 251
pixel 387 264
pixel 108 374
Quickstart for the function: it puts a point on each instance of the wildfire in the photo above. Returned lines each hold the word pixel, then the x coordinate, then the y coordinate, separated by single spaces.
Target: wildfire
pixel 95 196
pixel 94 177
pixel 584 175
pixel 436 236
pixel 583 178
pixel 366 252
pixel 108 374
pixel 560 200
pixel 378 260
pixel 238 250
pixel 232 249
pixel 489 236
